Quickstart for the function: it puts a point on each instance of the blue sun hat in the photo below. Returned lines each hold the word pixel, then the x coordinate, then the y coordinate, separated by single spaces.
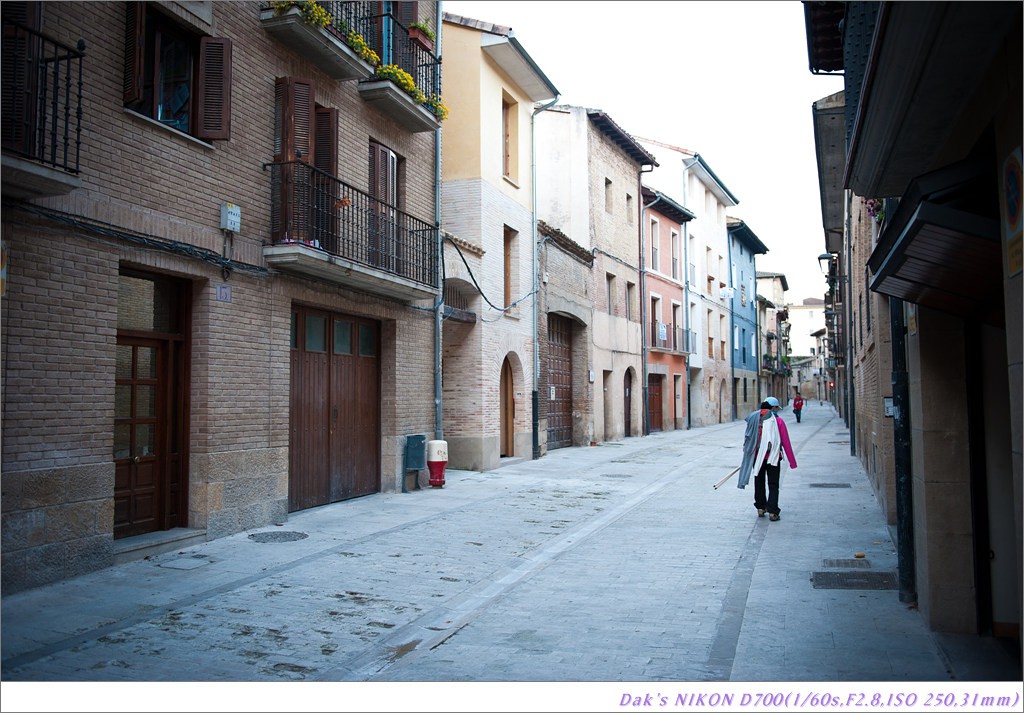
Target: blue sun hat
pixel 773 402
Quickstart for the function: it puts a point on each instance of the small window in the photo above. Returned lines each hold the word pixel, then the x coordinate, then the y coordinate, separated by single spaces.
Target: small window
pixel 342 337
pixel 629 209
pixel 609 202
pixel 367 341
pixel 510 134
pixel 176 76
pixel 316 333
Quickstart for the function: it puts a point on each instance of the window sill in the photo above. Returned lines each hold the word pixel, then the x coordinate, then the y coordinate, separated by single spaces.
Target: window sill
pixel 168 129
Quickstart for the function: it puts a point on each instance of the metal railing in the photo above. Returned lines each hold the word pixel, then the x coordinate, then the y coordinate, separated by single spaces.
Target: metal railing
pixel 656 339
pixel 41 104
pixel 311 207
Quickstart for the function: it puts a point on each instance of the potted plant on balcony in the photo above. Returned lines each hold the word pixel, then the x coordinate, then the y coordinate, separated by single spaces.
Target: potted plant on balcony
pixel 421 34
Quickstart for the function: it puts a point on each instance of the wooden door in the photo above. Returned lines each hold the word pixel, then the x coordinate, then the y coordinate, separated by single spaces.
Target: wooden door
pixel 507 411
pixel 140 435
pixel 334 442
pixel 627 403
pixel 654 420
pixel 559 382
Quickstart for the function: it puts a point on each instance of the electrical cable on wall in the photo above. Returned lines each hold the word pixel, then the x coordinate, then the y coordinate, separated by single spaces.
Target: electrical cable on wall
pixel 112 232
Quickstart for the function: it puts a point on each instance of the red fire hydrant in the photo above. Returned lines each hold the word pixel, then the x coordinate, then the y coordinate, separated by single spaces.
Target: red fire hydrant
pixel 437 461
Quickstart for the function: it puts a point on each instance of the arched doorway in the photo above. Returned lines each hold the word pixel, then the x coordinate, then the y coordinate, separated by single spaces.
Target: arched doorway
pixel 628 403
pixel 507 410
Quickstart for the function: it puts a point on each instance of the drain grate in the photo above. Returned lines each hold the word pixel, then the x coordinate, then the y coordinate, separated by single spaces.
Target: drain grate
pixel 829 485
pixel 846 564
pixel 841 442
pixel 616 475
pixel 854 580
pixel 277 536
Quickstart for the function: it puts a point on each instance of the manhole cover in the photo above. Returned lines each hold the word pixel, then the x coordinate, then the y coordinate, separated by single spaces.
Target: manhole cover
pixel 846 564
pixel 277 536
pixel 854 580
pixel 828 485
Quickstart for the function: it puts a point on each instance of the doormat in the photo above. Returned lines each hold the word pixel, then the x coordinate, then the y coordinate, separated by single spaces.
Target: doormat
pixel 277 536
pixel 854 580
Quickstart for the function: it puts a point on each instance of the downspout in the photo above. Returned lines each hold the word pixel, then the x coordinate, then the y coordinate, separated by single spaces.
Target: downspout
pixel 439 299
pixel 850 403
pixel 536 280
pixel 643 299
pixel 732 326
pixel 905 563
pixel 686 290
pixel 757 340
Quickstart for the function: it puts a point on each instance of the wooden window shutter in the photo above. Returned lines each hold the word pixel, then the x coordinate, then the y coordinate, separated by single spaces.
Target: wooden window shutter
pixel 381 169
pixel 325 156
pixel 214 91
pixel 134 51
pixel 20 86
pixel 294 112
pixel 406 13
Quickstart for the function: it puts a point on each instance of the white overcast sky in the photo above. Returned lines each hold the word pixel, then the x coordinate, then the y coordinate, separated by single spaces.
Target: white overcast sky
pixel 729 80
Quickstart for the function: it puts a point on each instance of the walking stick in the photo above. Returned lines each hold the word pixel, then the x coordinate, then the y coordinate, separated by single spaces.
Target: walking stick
pixel 717 485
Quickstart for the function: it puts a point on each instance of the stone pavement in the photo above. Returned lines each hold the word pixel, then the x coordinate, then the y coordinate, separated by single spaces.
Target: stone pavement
pixel 613 563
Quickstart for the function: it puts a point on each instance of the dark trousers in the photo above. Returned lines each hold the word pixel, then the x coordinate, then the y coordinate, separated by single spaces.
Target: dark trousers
pixel 796 412
pixel 771 474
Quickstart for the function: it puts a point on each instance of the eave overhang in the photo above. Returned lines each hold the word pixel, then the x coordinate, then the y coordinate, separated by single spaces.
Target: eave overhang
pixel 510 56
pixel 929 90
pixel 620 138
pixel 660 202
pixel 828 115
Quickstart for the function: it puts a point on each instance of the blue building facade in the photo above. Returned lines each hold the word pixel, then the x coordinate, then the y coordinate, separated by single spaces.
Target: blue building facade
pixel 744 247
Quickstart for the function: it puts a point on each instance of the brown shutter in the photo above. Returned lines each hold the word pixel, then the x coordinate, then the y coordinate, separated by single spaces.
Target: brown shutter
pixel 325 155
pixel 214 91
pixel 18 81
pixel 134 51
pixel 406 12
pixel 294 111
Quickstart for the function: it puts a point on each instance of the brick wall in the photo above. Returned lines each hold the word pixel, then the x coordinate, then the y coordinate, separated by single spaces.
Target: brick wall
pixel 60 312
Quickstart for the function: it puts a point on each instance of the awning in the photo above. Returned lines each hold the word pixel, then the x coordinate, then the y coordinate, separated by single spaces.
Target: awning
pixel 941 248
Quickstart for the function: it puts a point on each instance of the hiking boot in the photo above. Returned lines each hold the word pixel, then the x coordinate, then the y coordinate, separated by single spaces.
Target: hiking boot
pixel 761 512
pixel 774 517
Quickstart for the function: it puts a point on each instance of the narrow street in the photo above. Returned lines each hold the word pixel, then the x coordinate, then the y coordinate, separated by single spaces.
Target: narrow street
pixel 613 563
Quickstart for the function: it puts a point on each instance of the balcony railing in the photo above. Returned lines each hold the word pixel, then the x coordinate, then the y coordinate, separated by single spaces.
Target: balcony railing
pixel 41 108
pixel 659 336
pixel 331 219
pixel 408 106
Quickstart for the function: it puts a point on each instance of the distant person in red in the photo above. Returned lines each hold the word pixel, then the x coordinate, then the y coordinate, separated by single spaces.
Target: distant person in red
pixel 798 405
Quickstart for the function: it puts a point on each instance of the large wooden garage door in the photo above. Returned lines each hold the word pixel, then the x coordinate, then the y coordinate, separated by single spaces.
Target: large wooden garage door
pixel 334 444
pixel 559 382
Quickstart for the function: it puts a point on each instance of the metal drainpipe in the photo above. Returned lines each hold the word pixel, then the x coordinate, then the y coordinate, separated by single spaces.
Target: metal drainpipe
pixel 732 329
pixel 439 300
pixel 850 402
pixel 643 298
pixel 536 280
pixel 686 290
pixel 905 563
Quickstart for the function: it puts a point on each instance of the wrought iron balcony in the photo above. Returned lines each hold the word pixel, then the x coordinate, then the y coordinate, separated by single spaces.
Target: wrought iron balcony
pixel 327 46
pixel 41 113
pixel 323 227
pixel 406 81
pixel 659 336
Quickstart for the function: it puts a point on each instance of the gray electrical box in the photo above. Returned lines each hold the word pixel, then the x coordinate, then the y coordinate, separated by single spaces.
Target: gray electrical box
pixel 415 452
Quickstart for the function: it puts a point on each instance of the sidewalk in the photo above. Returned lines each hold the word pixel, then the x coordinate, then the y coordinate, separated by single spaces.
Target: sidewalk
pixel 613 563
